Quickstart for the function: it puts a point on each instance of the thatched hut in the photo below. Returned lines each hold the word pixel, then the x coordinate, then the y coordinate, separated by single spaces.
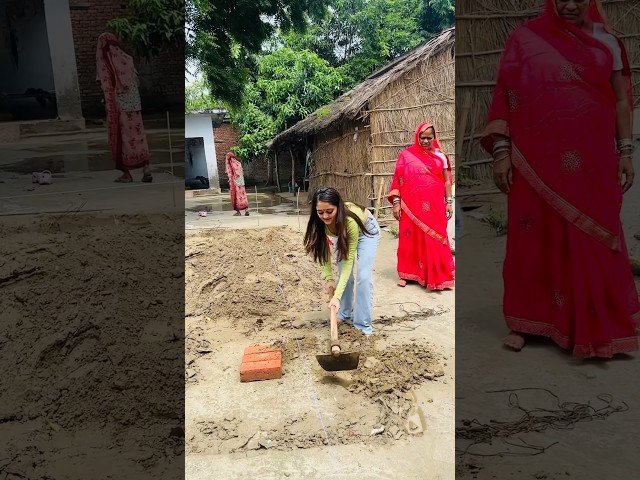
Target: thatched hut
pixel 484 27
pixel 352 144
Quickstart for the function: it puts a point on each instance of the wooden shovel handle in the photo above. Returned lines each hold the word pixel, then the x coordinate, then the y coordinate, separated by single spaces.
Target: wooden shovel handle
pixel 335 346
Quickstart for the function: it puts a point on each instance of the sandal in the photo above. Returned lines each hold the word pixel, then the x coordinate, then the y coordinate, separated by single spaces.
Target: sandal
pixel 246 214
pixel 147 178
pixel 237 214
pixel 123 179
pixel 45 178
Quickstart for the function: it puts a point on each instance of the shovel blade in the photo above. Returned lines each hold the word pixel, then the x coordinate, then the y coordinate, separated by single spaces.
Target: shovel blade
pixel 344 361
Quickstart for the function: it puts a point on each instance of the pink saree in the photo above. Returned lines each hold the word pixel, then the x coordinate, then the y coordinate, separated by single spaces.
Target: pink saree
pixel 566 271
pixel 118 78
pixel 237 190
pixel 424 253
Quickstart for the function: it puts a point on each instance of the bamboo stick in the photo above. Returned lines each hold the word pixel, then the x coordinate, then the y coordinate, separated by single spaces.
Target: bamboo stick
pixel 377 204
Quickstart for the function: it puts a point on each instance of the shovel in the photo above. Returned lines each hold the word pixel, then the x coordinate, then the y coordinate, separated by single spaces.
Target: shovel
pixel 337 360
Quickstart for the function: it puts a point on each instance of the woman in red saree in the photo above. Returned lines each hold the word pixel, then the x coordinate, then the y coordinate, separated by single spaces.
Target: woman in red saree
pixel 422 202
pixel 560 103
pixel 239 200
pixel 119 81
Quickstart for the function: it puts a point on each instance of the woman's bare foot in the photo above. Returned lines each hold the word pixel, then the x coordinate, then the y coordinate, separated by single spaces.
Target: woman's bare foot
pixel 237 214
pixel 514 341
pixel 402 282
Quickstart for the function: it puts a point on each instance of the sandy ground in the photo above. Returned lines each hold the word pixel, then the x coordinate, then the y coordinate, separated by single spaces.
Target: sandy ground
pixel 572 441
pixel 247 285
pixel 91 305
pixel 88 344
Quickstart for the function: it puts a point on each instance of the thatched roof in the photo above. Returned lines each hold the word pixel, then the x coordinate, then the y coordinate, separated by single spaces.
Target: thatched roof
pixel 350 105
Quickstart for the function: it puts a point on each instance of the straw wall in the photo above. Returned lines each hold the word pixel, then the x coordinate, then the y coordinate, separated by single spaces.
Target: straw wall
pixel 482 27
pixel 341 160
pixel 423 94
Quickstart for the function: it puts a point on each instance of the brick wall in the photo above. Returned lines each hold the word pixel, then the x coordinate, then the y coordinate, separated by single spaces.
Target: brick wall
pixel 257 171
pixel 161 79
pixel 225 137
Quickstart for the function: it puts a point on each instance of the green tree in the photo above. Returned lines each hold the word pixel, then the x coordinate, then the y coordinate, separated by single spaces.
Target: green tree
pixel 289 86
pixel 223 34
pixel 361 36
pixel 437 15
pixel 197 96
pixel 151 25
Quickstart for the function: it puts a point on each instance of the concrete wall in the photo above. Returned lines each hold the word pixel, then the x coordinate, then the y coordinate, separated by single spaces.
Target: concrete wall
pixel 201 126
pixel 63 59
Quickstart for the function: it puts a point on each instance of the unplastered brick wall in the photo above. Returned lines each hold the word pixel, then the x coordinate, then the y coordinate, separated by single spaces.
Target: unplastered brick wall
pixel 256 172
pixel 226 137
pixel 161 79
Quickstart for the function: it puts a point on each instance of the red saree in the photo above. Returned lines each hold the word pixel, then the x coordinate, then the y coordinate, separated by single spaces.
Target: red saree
pixel 237 190
pixel 566 271
pixel 424 253
pixel 117 75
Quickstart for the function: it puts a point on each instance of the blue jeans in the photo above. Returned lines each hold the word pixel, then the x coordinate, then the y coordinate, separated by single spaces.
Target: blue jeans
pixel 366 254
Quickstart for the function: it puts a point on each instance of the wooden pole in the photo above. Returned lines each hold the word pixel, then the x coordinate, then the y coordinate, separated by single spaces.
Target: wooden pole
pixel 378 199
pixel 275 154
pixel 173 183
pixel 293 170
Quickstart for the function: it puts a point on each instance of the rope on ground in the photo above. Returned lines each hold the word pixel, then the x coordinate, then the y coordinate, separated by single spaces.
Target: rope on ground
pixel 537 419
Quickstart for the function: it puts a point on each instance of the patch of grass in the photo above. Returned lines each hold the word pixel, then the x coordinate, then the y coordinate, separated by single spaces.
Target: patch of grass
pixel 394 231
pixel 323 112
pixel 497 219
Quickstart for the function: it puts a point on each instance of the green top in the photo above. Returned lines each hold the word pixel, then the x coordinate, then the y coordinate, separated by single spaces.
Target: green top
pixel 353 233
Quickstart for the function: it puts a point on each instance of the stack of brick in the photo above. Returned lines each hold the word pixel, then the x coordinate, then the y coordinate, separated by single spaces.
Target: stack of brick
pixel 261 363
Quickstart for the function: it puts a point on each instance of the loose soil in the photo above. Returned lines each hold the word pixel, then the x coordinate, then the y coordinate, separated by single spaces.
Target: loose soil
pixel 88 343
pixel 248 287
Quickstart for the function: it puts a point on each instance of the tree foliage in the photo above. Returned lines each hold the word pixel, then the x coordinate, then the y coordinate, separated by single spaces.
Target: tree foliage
pixel 151 25
pixel 197 96
pixel 276 61
pixel 361 36
pixel 289 86
pixel 223 34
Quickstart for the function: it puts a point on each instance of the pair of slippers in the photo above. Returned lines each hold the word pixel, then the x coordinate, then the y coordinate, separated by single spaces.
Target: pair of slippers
pixel 42 178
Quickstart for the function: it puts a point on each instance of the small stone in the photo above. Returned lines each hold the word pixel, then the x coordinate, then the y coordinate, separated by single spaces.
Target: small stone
pixel 377 430
pixel 191 373
pixel 253 444
pixel 386 388
pixel 371 362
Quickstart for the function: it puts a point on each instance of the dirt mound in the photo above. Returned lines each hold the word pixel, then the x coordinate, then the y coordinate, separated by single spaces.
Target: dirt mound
pixel 85 320
pixel 249 274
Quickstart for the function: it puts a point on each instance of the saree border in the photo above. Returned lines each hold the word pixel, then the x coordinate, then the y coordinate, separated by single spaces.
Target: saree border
pixel 423 226
pixel 568 211
pixel 607 350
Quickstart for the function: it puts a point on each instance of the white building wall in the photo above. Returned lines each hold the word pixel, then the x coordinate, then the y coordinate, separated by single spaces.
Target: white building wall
pixel 200 125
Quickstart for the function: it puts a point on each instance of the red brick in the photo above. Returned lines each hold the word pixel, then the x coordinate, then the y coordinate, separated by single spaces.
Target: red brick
pixel 263 357
pixel 253 371
pixel 259 349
